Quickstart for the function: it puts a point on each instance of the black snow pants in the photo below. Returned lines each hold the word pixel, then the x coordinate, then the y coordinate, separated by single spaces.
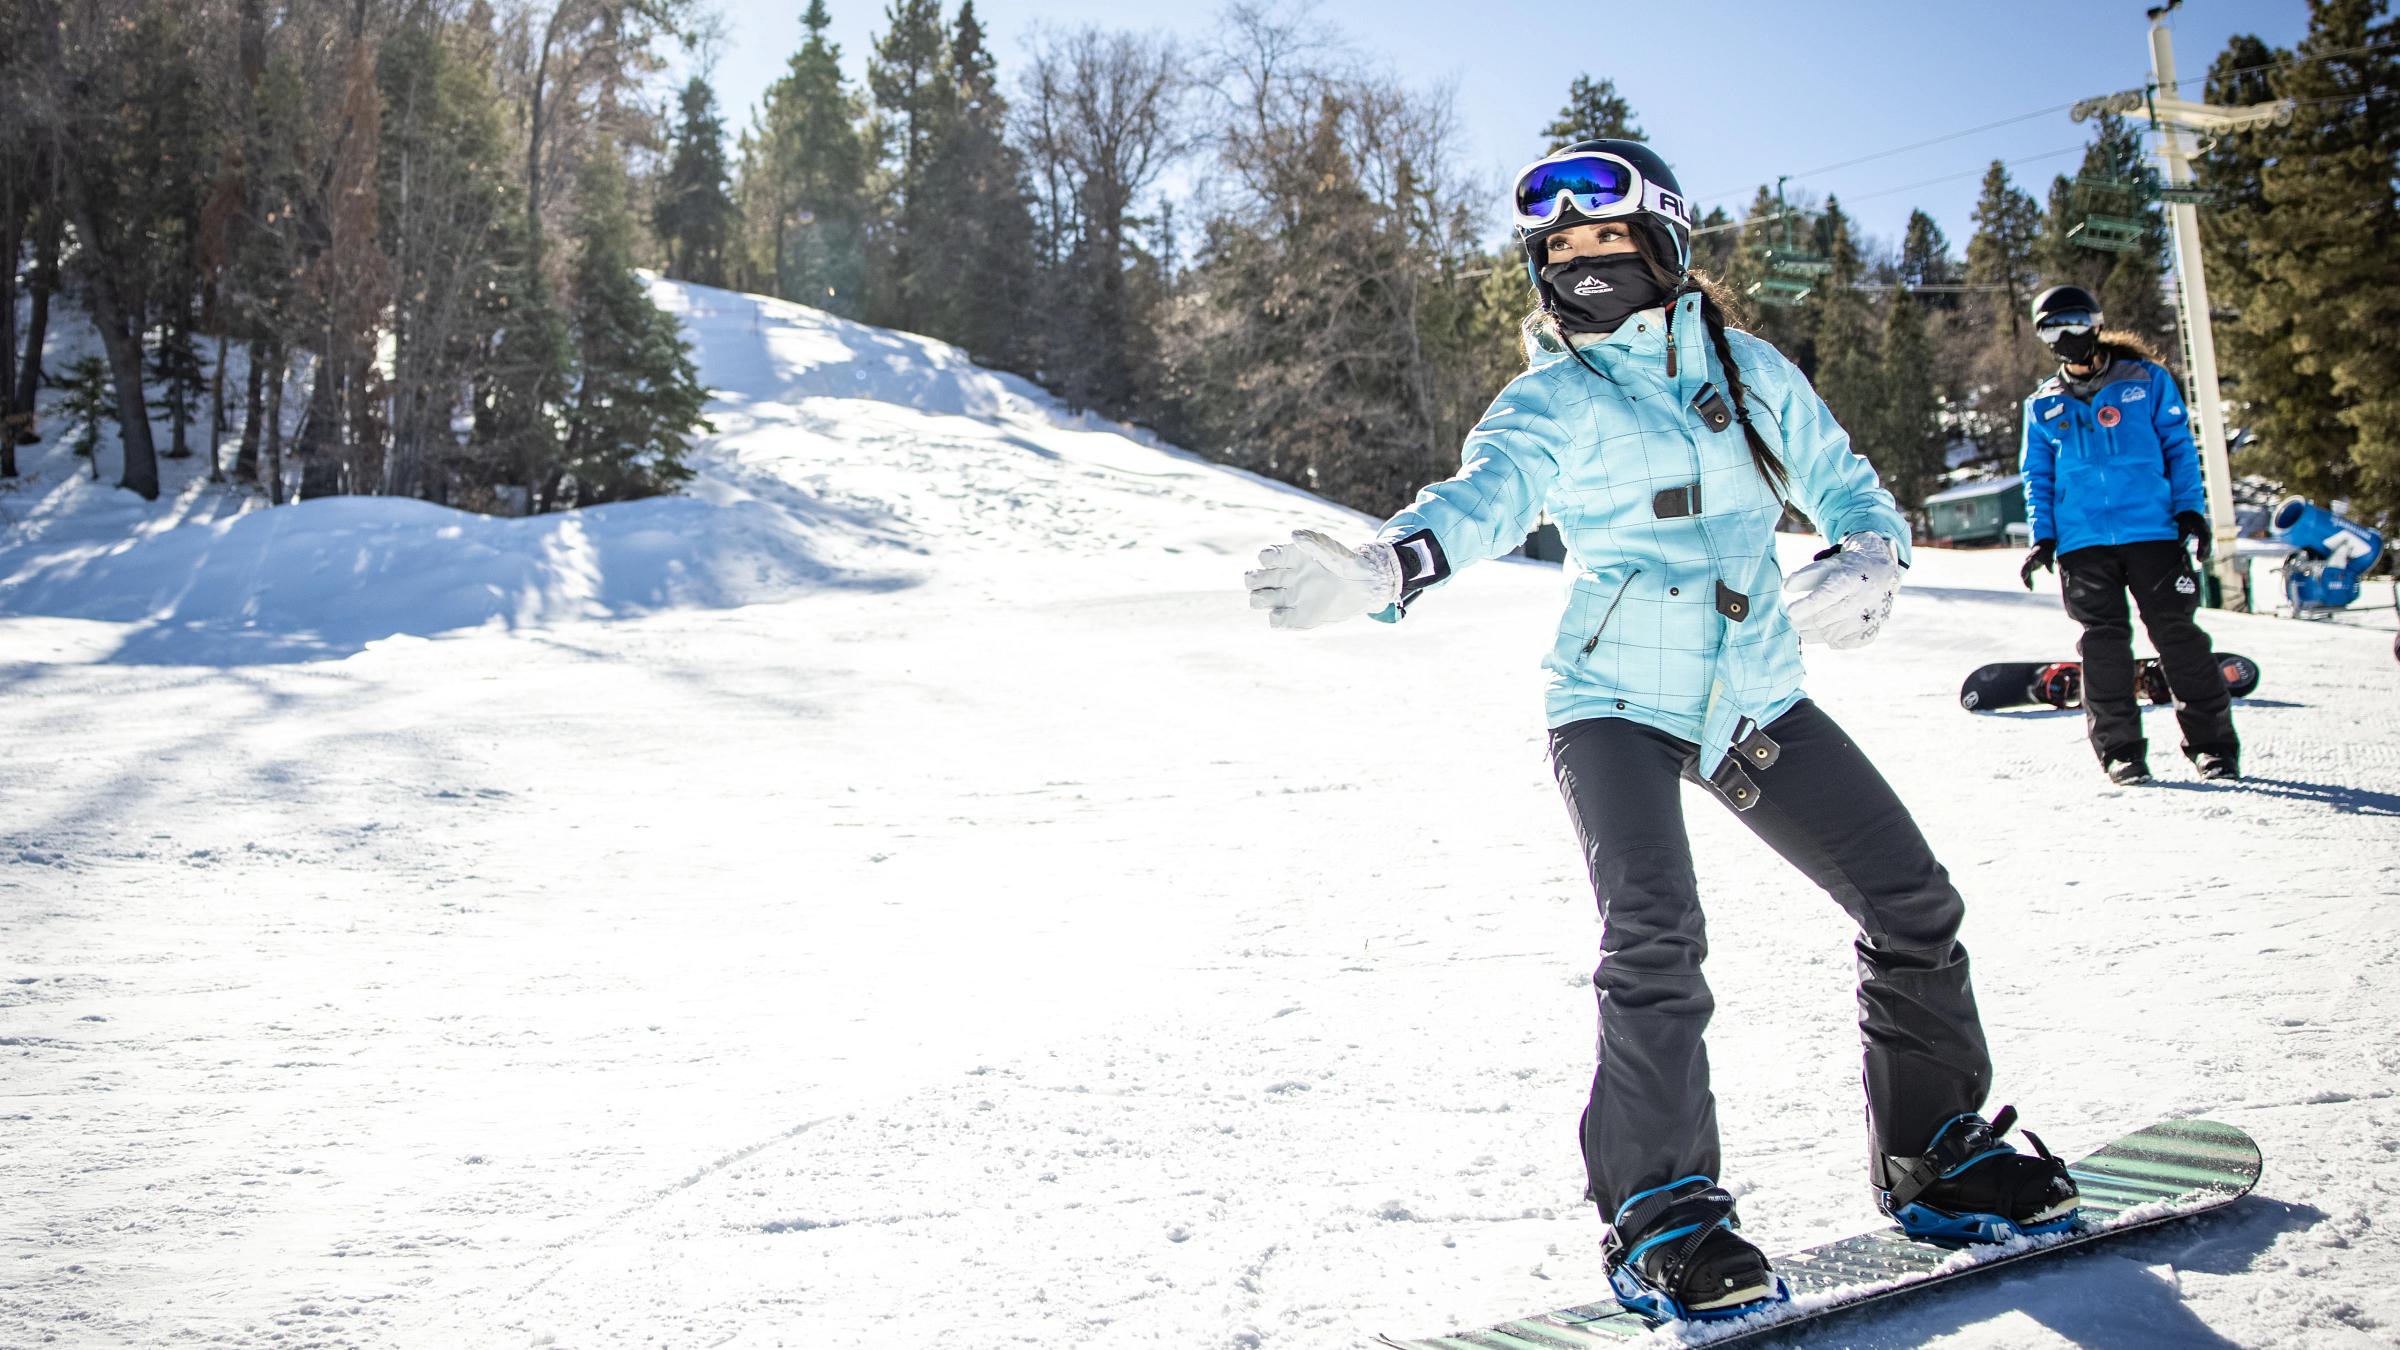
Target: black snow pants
pixel 1652 1117
pixel 2159 574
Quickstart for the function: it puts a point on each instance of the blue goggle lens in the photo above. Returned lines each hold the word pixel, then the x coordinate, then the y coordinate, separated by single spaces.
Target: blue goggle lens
pixel 1592 183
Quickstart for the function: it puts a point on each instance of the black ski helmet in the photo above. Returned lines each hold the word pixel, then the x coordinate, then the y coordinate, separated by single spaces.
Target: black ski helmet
pixel 2065 300
pixel 1664 214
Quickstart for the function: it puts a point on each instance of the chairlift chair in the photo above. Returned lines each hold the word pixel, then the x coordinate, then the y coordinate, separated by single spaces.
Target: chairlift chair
pixel 2108 234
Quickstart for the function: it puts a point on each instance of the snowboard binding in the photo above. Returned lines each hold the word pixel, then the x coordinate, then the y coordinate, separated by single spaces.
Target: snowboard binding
pixel 1971 1187
pixel 1673 1256
pixel 2059 684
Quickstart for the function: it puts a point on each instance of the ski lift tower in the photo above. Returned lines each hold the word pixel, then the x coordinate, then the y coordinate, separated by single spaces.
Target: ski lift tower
pixel 2171 117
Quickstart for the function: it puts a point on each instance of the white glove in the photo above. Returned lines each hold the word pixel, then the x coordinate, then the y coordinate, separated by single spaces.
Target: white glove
pixel 1843 597
pixel 1315 580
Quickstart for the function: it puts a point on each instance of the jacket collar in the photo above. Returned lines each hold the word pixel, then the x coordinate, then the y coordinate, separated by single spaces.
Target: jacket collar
pixel 1644 331
pixel 1644 335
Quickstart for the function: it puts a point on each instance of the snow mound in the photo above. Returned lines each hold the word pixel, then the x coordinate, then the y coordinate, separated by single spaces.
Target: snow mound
pixel 841 456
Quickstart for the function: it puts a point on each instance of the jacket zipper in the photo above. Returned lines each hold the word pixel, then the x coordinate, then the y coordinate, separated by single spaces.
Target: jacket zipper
pixel 1612 611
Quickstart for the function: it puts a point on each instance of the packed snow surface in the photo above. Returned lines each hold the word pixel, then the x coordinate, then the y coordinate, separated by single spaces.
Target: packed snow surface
pixel 899 894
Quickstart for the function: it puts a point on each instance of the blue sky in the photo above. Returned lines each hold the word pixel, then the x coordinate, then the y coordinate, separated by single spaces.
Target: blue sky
pixel 1732 94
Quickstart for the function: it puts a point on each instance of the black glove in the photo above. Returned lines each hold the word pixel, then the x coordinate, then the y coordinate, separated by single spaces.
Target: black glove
pixel 2044 556
pixel 2192 528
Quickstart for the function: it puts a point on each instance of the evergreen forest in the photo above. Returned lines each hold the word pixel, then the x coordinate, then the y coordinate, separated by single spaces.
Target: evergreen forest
pixel 394 246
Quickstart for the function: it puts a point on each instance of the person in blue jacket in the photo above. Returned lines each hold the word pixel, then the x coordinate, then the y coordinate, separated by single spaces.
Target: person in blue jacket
pixel 2113 496
pixel 1666 445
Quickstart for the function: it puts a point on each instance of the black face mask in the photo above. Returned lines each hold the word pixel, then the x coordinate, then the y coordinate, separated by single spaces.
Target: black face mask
pixel 1594 295
pixel 2076 349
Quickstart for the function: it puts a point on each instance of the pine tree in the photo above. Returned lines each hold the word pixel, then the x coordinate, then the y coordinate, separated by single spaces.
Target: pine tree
pixel 637 397
pixel 1298 374
pixel 1903 435
pixel 2112 181
pixel 100 162
pixel 89 401
pixel 914 102
pixel 2325 256
pixel 1789 327
pixel 1848 374
pixel 346 287
pixel 1925 260
pixel 449 213
pixel 1715 241
pixel 169 122
pixel 2264 379
pixel 177 365
pixel 522 380
pixel 976 256
pixel 2006 363
pixel 2002 251
pixel 1594 111
pixel 694 215
pixel 807 178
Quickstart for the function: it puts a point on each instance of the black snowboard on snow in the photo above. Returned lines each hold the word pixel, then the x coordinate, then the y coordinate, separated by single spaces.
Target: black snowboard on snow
pixel 2059 684
pixel 2154 1176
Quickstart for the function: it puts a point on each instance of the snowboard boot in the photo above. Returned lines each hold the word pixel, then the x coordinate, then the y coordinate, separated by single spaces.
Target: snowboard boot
pixel 2215 766
pixel 1971 1187
pixel 1673 1255
pixel 2128 771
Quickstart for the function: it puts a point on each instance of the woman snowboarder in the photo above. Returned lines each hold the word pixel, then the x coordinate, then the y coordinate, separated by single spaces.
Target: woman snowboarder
pixel 1665 445
pixel 2112 492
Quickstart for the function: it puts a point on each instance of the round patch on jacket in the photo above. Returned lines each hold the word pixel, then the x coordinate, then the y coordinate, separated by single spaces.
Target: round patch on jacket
pixel 2108 415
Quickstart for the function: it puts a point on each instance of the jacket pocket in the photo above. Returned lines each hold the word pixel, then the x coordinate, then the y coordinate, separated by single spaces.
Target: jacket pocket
pixel 1609 613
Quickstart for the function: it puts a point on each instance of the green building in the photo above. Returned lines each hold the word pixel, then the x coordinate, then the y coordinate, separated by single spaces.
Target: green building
pixel 1976 513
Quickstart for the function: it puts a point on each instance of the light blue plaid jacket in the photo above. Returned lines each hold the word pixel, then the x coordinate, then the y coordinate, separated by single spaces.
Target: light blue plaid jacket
pixel 1674 613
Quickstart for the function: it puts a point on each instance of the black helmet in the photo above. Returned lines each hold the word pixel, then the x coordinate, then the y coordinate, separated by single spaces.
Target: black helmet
pixel 2065 300
pixel 1579 185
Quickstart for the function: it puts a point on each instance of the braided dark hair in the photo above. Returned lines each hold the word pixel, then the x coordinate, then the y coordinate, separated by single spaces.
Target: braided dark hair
pixel 1715 300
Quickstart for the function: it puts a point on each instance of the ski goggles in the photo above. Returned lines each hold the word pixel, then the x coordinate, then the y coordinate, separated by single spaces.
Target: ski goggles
pixel 2072 324
pixel 1599 185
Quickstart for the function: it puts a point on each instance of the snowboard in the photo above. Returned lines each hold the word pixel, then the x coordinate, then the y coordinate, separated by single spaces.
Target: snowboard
pixel 2153 1176
pixel 2020 684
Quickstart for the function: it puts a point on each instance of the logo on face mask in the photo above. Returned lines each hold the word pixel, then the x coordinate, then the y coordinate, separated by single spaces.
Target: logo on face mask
pixel 1592 286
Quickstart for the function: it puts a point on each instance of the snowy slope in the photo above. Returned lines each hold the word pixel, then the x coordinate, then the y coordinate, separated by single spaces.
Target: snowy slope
pixel 900 893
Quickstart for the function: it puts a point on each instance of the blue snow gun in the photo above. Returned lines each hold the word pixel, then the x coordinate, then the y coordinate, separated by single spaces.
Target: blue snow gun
pixel 2329 555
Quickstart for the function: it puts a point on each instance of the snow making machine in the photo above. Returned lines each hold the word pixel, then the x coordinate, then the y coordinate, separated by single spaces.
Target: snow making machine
pixel 2329 555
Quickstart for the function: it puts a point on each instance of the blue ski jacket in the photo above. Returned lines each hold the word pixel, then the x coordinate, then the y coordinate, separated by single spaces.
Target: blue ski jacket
pixel 1674 614
pixel 2116 469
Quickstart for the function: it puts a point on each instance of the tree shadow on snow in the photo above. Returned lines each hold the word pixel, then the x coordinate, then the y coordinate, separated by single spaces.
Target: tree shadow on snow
pixel 2112 1296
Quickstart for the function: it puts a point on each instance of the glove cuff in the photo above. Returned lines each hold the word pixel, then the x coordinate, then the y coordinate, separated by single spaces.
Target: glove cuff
pixel 1384 561
pixel 1869 544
